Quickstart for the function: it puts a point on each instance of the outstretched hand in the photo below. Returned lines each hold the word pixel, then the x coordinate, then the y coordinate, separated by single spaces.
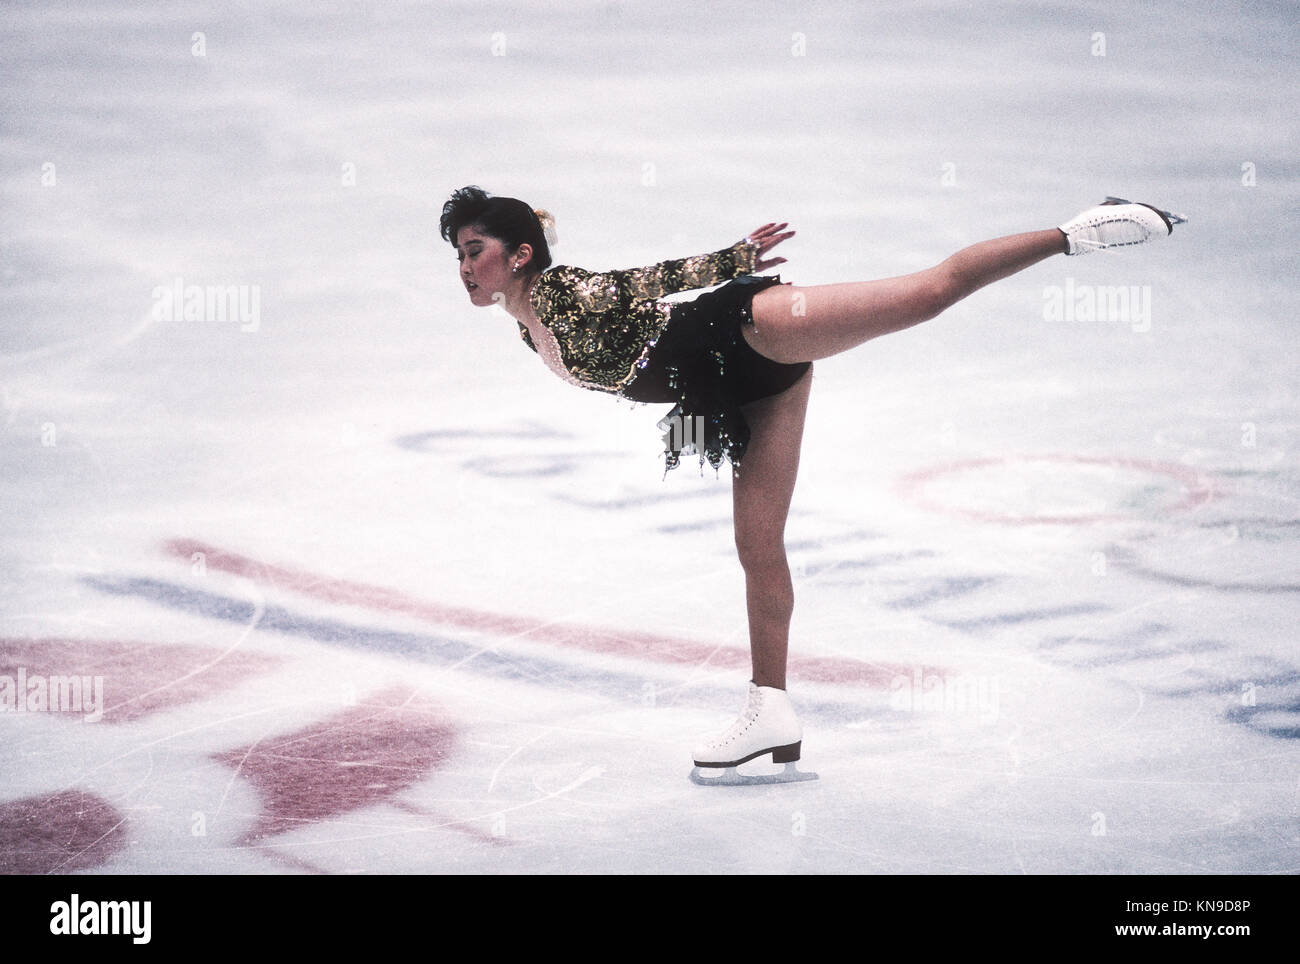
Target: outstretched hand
pixel 768 237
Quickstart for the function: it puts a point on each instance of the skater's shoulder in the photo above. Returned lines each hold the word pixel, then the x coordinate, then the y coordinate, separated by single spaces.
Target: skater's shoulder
pixel 564 276
pixel 566 286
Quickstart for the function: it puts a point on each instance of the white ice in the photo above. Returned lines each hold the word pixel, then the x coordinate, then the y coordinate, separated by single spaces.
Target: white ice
pixel 1129 660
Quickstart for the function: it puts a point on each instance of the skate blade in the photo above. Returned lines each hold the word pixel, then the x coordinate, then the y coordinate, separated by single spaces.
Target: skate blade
pixel 732 777
pixel 1173 218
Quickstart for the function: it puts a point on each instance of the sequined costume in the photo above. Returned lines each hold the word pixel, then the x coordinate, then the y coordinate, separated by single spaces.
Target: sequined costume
pixel 609 332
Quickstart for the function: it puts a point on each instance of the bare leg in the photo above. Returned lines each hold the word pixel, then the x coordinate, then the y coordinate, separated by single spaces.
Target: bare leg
pixel 793 324
pixel 761 494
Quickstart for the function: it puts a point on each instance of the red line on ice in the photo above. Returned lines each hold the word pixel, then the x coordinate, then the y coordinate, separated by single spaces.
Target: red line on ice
pixel 59 833
pixel 663 649
pixel 138 679
pixel 357 758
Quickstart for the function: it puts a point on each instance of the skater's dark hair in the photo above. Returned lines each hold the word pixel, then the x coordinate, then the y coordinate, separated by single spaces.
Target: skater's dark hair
pixel 508 219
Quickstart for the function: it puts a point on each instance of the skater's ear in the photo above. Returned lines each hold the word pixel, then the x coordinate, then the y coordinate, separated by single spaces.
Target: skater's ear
pixel 523 255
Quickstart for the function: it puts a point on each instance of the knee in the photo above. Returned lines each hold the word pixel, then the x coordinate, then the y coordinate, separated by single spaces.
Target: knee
pixel 762 553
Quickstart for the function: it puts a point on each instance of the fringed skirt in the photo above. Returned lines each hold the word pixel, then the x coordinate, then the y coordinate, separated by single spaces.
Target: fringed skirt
pixel 703 363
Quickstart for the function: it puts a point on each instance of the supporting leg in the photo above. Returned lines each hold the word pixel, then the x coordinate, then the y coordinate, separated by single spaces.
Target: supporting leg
pixel 761 495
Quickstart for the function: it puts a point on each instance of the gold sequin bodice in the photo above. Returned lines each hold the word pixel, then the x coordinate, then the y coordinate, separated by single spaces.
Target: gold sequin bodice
pixel 604 323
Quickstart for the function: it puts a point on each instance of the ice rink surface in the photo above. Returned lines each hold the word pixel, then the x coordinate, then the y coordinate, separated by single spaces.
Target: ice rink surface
pixel 365 588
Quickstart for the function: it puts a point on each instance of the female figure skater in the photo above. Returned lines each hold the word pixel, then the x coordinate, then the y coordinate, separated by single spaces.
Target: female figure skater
pixel 738 364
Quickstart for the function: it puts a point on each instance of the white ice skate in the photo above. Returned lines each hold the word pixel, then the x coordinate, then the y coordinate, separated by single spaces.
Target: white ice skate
pixel 1117 223
pixel 767 724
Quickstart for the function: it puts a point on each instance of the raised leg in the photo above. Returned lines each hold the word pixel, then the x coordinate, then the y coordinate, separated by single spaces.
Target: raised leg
pixel 761 494
pixel 794 324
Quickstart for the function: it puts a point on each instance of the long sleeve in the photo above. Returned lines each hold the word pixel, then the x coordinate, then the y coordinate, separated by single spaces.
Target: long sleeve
pixel 686 274
pixel 602 291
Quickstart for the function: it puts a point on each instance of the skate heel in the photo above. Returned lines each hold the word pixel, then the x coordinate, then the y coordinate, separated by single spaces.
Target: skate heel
pixel 786 754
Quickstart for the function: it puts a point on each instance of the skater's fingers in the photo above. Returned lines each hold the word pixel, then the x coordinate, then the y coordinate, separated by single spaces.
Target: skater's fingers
pixel 768 243
pixel 766 230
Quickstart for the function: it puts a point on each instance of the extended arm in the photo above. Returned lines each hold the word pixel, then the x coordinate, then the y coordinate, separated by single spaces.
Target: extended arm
pixel 593 291
pixel 686 274
pixel 706 270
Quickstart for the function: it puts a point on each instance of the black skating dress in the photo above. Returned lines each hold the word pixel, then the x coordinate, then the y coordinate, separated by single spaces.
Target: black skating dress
pixel 610 332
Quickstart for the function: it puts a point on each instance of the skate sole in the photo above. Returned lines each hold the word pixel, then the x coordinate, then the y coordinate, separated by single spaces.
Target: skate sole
pixel 780 754
pixel 729 777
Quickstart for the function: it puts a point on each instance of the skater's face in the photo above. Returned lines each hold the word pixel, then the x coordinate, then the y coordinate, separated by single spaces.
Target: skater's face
pixel 487 266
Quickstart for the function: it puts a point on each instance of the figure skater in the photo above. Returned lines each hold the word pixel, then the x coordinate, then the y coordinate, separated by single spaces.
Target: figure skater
pixel 737 362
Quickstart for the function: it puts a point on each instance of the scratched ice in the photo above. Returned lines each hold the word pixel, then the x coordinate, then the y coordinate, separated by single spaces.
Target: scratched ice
pixel 369 589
